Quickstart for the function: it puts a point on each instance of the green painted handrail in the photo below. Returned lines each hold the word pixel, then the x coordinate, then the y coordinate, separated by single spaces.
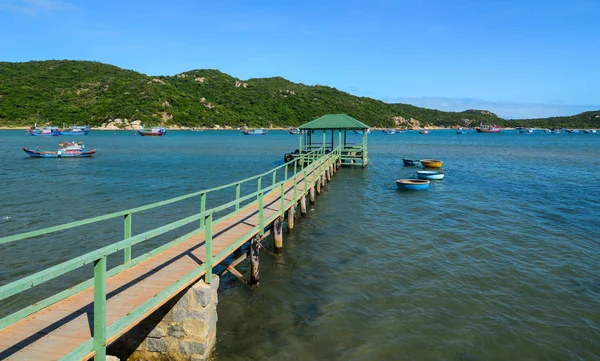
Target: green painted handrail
pixel 315 163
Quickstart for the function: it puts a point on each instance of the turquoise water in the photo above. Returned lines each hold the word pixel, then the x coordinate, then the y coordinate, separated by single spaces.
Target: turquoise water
pixel 499 261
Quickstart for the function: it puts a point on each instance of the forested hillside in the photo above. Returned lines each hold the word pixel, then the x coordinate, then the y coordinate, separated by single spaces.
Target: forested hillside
pixel 83 92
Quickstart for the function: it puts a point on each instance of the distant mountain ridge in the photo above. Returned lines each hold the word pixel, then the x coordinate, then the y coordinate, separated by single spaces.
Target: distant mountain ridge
pixel 85 92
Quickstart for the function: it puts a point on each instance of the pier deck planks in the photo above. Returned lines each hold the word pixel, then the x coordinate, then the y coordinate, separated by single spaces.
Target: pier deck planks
pixel 57 330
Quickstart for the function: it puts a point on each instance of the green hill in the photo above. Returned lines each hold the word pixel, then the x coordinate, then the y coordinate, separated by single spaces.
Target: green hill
pixel 83 92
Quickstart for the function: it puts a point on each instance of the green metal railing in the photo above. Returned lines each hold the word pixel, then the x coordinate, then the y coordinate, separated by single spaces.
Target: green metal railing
pixel 315 163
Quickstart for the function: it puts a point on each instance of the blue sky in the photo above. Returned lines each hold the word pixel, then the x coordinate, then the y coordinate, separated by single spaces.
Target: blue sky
pixel 517 58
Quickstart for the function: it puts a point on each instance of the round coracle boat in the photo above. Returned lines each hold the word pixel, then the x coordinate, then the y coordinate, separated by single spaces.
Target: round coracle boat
pixel 430 174
pixel 412 184
pixel 431 163
pixel 410 162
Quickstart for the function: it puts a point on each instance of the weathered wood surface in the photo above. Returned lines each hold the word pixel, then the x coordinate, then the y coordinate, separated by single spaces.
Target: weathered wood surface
pixel 57 330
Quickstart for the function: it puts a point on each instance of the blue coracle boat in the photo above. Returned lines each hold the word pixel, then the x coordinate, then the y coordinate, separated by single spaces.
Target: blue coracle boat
pixel 412 184
pixel 411 162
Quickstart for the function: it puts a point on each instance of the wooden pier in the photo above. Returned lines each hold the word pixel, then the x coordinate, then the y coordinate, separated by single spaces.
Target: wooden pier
pixel 80 322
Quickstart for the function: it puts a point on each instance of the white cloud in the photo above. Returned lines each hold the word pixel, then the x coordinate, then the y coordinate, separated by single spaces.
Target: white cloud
pixel 35 7
pixel 507 110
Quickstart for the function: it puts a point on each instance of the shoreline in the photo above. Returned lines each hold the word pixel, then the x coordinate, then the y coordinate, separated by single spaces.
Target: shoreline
pixel 223 128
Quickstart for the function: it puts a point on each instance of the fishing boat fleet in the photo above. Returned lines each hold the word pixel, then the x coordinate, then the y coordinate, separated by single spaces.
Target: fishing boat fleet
pixel 431 172
pixel 55 131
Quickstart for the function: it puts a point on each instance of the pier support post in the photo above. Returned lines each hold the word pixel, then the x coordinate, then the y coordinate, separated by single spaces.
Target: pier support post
pixel 328 174
pixel 319 185
pixel 254 250
pixel 311 194
pixel 291 213
pixel 303 206
pixel 278 235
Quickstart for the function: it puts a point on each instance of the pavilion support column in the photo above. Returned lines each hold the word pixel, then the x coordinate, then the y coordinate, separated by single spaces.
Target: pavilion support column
pixel 303 206
pixel 311 194
pixel 291 214
pixel 254 260
pixel 278 235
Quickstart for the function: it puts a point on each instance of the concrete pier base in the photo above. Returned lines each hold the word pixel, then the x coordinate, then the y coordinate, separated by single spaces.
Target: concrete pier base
pixel 183 329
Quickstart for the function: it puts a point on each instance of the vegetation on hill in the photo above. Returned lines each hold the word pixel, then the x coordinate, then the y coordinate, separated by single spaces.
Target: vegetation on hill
pixel 81 92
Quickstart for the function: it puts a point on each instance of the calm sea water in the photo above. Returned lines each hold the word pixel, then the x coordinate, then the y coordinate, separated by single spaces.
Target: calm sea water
pixel 499 261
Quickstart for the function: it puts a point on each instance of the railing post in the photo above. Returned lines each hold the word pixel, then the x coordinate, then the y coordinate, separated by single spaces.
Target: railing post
pixel 127 234
pixel 282 200
pixel 259 182
pixel 295 190
pixel 295 168
pixel 274 177
pixel 208 248
pixel 285 171
pixel 305 182
pixel 202 208
pixel 261 216
pixel 237 197
pixel 99 341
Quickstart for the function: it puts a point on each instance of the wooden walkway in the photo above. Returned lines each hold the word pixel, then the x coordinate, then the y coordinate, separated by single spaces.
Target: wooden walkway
pixel 55 331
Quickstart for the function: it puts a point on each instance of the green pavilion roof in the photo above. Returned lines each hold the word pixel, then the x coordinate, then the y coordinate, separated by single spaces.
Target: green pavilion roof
pixel 334 121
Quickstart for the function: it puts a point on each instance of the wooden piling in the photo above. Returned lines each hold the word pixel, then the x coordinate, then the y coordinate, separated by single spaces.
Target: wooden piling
pixel 319 185
pixel 254 250
pixel 311 194
pixel 291 213
pixel 278 235
pixel 328 172
pixel 303 206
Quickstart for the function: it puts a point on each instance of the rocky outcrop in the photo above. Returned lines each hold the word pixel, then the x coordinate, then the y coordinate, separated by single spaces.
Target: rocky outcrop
pixel 118 123
pixel 402 122
pixel 200 79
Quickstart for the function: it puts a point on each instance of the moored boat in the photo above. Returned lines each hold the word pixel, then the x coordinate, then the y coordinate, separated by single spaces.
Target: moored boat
pixel 461 132
pixel 423 131
pixel 65 150
pixel 430 174
pixel 389 131
pixel 413 184
pixel 294 131
pixel 47 131
pixel 410 162
pixel 153 132
pixel 431 163
pixel 257 131
pixel 76 130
